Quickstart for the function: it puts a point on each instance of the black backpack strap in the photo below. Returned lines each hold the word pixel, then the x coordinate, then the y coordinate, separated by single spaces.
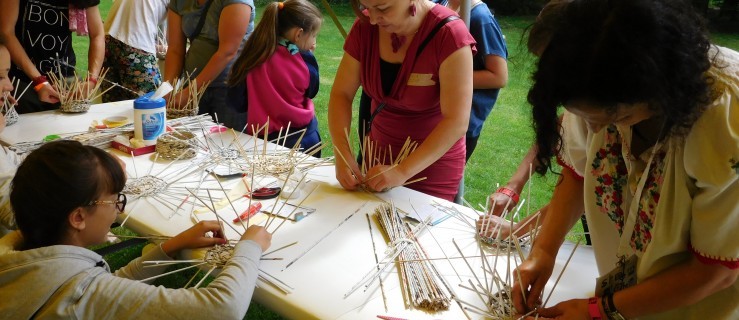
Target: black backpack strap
pixel 433 33
pixel 418 52
pixel 201 22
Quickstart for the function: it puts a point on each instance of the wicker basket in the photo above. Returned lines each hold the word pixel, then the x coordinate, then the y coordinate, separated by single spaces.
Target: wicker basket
pixel 181 113
pixel 176 145
pixel 76 106
pixel 11 115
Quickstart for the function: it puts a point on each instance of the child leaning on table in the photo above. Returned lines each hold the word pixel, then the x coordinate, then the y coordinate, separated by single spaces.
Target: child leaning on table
pixel 280 72
pixel 66 196
pixel 8 159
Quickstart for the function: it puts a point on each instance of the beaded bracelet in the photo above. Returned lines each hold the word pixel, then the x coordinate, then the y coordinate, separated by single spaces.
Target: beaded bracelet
pixel 509 192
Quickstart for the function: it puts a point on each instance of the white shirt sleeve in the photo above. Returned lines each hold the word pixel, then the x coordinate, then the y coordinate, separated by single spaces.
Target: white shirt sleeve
pixel 576 140
pixel 711 153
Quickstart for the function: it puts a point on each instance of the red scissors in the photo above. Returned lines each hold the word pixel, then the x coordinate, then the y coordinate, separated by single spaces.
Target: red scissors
pixel 250 212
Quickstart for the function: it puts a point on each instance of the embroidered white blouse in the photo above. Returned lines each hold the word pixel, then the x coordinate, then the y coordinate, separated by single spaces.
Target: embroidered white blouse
pixel 689 200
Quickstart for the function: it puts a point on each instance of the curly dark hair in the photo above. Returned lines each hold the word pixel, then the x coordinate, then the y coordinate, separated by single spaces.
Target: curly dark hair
pixel 610 52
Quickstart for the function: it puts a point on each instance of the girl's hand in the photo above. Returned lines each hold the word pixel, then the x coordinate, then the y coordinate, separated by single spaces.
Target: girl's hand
pixel 259 235
pixel 572 309
pixel 180 99
pixel 195 237
pixel 383 177
pixel 499 203
pixel 48 94
pixel 493 226
pixel 348 175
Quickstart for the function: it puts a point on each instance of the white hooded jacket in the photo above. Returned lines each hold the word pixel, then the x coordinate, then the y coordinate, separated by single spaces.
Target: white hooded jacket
pixel 72 282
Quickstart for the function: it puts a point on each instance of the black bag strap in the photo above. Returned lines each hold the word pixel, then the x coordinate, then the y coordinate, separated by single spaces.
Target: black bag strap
pixel 423 45
pixel 433 33
pixel 201 22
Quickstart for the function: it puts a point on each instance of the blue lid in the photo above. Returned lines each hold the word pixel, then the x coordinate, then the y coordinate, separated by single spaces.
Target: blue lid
pixel 145 103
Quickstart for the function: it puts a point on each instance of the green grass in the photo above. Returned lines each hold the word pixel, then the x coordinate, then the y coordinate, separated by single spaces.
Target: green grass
pixel 505 139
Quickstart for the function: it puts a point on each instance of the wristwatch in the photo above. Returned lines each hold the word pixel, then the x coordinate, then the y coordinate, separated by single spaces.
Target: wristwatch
pixel 593 309
pixel 610 308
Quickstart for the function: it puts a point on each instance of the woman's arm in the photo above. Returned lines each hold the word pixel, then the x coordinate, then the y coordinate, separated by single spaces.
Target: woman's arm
pixel 9 10
pixel 494 76
pixel 8 19
pixel 564 210
pixel 679 286
pixel 499 202
pixel 176 48
pixel 232 25
pixel 96 52
pixel 456 98
pixel 346 84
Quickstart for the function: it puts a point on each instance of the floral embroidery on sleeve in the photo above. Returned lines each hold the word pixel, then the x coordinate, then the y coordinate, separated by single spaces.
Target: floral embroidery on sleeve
pixel 609 170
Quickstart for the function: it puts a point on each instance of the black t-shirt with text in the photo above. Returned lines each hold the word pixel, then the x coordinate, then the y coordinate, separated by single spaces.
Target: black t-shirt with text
pixel 43 31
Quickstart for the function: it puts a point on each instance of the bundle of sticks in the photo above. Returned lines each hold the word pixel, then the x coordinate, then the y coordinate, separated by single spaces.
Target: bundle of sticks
pixel 75 92
pixel 373 155
pixel 420 283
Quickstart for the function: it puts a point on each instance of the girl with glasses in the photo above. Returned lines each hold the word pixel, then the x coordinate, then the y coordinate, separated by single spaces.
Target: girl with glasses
pixel 65 197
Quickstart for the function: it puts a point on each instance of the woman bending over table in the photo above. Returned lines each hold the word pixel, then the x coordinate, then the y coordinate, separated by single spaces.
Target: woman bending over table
pixel 650 151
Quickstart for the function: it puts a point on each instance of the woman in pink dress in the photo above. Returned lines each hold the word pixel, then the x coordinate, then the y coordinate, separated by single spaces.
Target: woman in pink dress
pixel 415 63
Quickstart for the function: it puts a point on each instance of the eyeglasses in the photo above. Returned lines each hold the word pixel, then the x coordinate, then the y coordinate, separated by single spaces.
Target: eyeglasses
pixel 120 204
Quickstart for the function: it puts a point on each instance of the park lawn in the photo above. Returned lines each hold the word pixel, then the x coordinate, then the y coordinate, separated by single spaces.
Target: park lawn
pixel 505 139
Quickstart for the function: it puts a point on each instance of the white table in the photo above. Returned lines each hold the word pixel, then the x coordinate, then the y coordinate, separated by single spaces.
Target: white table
pixel 35 126
pixel 322 276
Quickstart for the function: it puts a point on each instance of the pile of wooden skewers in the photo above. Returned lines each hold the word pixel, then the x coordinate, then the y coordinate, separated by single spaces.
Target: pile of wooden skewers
pixel 75 93
pixel 420 283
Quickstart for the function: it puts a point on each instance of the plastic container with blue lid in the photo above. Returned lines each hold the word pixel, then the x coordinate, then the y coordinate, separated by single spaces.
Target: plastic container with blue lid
pixel 149 118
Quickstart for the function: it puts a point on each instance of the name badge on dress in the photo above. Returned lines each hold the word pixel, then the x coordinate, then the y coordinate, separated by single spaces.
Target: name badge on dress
pixel 621 277
pixel 421 80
